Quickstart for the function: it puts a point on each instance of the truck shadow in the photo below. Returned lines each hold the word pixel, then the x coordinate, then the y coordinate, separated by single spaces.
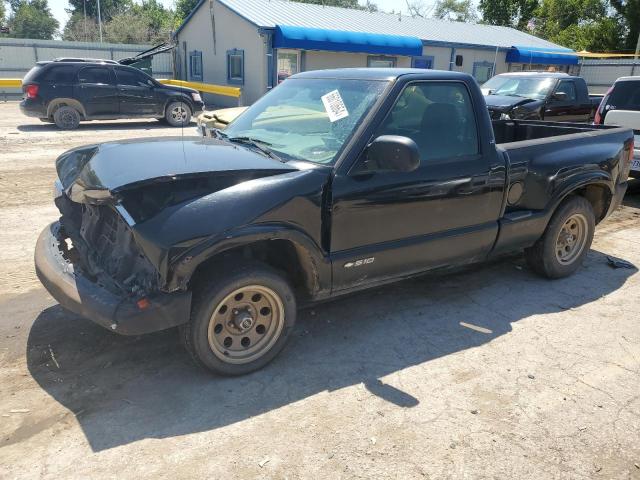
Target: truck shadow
pixel 101 126
pixel 124 389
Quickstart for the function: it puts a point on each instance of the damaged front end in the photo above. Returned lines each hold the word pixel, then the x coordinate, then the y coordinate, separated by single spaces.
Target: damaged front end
pixel 109 256
pixel 101 243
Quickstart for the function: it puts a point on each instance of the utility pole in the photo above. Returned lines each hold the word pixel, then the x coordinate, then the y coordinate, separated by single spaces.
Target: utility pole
pixel 637 48
pixel 99 22
pixel 84 5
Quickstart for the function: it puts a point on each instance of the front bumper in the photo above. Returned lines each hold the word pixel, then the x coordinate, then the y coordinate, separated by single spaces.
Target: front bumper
pixel 87 298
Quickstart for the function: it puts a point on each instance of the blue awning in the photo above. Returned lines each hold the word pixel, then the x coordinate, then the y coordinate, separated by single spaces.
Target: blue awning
pixel 542 55
pixel 341 41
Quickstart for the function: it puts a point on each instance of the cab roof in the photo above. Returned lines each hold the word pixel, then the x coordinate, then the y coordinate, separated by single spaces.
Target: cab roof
pixel 381 73
pixel 535 74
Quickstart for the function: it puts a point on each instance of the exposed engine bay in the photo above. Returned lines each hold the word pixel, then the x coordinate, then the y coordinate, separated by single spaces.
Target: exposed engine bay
pixel 101 244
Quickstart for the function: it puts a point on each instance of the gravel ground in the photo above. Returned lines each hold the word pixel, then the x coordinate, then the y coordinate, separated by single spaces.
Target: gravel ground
pixel 490 372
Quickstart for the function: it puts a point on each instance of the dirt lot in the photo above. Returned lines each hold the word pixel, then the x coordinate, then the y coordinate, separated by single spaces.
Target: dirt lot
pixel 487 373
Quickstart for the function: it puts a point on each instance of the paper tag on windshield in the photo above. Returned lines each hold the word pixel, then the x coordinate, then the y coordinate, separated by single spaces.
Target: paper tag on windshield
pixel 334 106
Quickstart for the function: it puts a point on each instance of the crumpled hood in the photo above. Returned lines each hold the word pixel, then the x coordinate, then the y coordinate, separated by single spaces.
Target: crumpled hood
pixel 98 171
pixel 505 103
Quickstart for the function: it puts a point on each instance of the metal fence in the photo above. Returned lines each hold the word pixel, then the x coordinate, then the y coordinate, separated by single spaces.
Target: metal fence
pixel 18 55
pixel 600 74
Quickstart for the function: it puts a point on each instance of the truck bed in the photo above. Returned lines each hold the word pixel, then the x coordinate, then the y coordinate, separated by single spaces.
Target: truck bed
pixel 510 131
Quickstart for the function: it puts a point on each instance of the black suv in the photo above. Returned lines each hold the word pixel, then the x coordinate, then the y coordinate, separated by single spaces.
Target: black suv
pixel 66 91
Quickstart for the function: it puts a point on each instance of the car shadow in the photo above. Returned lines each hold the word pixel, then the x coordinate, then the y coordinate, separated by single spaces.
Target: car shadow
pixel 124 389
pixel 150 124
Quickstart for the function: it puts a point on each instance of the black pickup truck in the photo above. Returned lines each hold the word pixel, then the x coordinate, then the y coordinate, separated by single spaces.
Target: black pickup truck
pixel 334 181
pixel 551 96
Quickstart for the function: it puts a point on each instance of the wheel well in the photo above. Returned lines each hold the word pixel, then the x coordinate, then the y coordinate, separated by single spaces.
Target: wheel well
pixel 184 100
pixel 282 255
pixel 598 196
pixel 65 102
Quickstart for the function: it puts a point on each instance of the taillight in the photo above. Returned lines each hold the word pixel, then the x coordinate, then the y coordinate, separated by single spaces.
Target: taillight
pixel 598 120
pixel 31 91
pixel 626 167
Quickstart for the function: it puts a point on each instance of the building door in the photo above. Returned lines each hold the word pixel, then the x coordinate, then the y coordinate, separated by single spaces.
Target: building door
pixel 288 63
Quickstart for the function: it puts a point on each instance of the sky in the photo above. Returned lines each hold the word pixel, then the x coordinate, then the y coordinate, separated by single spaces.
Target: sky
pixel 58 7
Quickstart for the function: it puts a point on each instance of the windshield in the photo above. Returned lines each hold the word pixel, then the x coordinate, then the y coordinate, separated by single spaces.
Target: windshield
pixel 308 119
pixel 527 87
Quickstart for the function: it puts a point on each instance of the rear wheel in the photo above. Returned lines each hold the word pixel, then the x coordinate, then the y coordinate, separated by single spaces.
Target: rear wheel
pixel 178 114
pixel 241 319
pixel 566 241
pixel 67 118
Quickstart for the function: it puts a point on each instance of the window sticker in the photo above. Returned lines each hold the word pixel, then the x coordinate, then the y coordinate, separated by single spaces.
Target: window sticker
pixel 334 106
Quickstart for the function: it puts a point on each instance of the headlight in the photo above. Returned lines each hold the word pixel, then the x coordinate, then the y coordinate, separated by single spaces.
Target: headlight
pixel 196 97
pixel 505 116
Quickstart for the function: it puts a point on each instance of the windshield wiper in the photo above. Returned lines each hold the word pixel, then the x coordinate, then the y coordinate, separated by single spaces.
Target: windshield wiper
pixel 219 134
pixel 259 144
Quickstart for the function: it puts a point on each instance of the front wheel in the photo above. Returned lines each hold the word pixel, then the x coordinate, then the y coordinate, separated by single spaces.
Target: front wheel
pixel 178 114
pixel 241 319
pixel 566 241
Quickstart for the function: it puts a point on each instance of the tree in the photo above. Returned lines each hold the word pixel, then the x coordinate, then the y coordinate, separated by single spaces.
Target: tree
pixel 32 19
pixel 629 11
pixel 79 29
pixel 418 9
pixel 159 20
pixel 341 3
pixel 127 28
pixel 108 8
pixel 458 10
pixel 183 9
pixel 578 24
pixel 508 13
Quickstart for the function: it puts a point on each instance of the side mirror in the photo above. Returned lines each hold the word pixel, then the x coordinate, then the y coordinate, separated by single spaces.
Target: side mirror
pixel 393 152
pixel 560 96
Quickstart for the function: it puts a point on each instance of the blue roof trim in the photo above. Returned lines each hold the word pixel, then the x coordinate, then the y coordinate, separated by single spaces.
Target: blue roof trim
pixel 542 55
pixel 342 41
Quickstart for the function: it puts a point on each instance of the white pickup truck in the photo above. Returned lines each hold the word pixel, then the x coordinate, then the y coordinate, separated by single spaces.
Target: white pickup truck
pixel 621 106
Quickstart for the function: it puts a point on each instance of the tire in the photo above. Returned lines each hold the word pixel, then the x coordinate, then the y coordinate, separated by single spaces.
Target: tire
pixel 178 114
pixel 241 318
pixel 562 248
pixel 66 118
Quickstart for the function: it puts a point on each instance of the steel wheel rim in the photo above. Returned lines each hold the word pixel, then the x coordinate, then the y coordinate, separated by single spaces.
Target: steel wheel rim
pixel 67 119
pixel 179 113
pixel 571 239
pixel 246 324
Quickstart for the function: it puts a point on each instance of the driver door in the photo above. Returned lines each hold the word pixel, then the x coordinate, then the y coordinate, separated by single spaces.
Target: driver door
pixel 136 93
pixel 389 224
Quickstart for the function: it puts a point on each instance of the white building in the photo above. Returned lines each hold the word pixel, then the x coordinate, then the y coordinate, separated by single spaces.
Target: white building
pixel 256 43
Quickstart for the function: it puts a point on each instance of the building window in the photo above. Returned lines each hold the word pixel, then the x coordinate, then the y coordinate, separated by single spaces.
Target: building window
pixel 422 62
pixel 381 61
pixel 195 65
pixel 235 67
pixel 482 71
pixel 288 64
